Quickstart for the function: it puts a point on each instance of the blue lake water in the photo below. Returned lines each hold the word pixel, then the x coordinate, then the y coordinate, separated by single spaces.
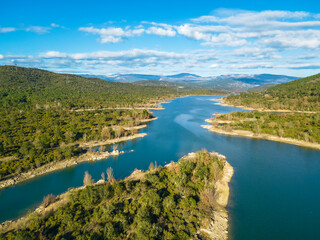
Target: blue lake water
pixel 275 190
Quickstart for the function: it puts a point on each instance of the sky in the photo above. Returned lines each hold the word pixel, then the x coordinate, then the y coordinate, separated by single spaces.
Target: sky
pixel 207 38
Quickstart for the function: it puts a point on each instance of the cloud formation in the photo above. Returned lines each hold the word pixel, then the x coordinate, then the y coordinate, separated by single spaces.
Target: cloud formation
pixel 7 29
pixel 35 29
pixel 231 28
pixel 227 41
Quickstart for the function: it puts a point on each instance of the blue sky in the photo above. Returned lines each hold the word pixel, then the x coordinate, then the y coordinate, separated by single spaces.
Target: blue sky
pixel 162 37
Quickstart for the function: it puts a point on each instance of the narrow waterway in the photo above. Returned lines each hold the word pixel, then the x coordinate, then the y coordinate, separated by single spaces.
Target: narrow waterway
pixel 275 191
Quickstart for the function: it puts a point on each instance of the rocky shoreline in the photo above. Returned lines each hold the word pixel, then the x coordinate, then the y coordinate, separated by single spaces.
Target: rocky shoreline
pixel 218 227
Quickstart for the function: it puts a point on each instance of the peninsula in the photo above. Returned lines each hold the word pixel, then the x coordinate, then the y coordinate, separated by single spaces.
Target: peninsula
pixel 186 199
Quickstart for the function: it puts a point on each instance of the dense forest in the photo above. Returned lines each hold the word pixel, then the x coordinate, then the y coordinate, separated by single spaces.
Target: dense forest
pixel 30 139
pixel 300 126
pixel 299 95
pixel 38 124
pixel 29 88
pixel 171 202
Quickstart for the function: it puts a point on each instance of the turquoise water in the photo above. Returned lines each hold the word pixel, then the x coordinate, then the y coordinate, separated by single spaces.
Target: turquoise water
pixel 275 191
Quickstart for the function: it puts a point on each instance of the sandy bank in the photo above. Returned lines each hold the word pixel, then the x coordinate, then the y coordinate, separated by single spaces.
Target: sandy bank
pixel 111 141
pixel 249 134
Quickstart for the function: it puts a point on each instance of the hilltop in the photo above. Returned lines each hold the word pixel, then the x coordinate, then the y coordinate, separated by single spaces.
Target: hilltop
pixel 299 95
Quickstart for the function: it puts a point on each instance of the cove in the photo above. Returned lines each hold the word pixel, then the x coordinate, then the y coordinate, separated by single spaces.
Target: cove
pixel 274 191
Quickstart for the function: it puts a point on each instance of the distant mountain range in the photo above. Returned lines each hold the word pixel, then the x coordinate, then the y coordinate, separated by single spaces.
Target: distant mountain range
pixel 235 82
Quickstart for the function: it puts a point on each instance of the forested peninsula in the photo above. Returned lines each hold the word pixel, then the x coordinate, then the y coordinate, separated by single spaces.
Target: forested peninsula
pixel 183 200
pixel 288 112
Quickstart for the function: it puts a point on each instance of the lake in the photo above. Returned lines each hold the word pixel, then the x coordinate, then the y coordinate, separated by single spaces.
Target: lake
pixel 275 190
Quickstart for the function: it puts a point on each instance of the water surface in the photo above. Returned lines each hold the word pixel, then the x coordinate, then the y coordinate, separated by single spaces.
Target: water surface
pixel 274 191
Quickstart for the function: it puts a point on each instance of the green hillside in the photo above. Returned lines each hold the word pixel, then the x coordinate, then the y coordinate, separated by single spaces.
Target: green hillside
pixel 261 88
pixel 37 126
pixel 302 94
pixel 29 87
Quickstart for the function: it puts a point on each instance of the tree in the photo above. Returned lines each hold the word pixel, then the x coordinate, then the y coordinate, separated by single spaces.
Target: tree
pixel 111 178
pixel 87 179
pixel 1 149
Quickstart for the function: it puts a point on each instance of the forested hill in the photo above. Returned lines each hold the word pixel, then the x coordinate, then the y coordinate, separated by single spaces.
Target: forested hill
pixel 302 94
pixel 28 87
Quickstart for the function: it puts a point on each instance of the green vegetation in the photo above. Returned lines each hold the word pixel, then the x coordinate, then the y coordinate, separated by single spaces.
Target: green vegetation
pixel 29 88
pixel 38 125
pixel 33 138
pixel 170 202
pixel 299 95
pixel 261 88
pixel 305 127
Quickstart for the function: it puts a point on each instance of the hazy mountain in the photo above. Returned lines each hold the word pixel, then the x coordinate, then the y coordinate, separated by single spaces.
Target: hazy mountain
pixel 234 82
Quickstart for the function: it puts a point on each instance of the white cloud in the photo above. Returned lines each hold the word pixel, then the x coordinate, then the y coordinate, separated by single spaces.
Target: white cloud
pixel 38 29
pixel 7 29
pixel 112 34
pixel 53 54
pixel 215 65
pixel 161 31
pixel 205 19
pixel 54 25
pixel 295 39
pixel 193 32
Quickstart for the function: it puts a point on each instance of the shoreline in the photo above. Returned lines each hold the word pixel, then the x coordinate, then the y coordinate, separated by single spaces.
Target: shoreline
pixel 218 227
pixel 121 108
pixel 219 101
pixel 86 157
pixel 249 134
